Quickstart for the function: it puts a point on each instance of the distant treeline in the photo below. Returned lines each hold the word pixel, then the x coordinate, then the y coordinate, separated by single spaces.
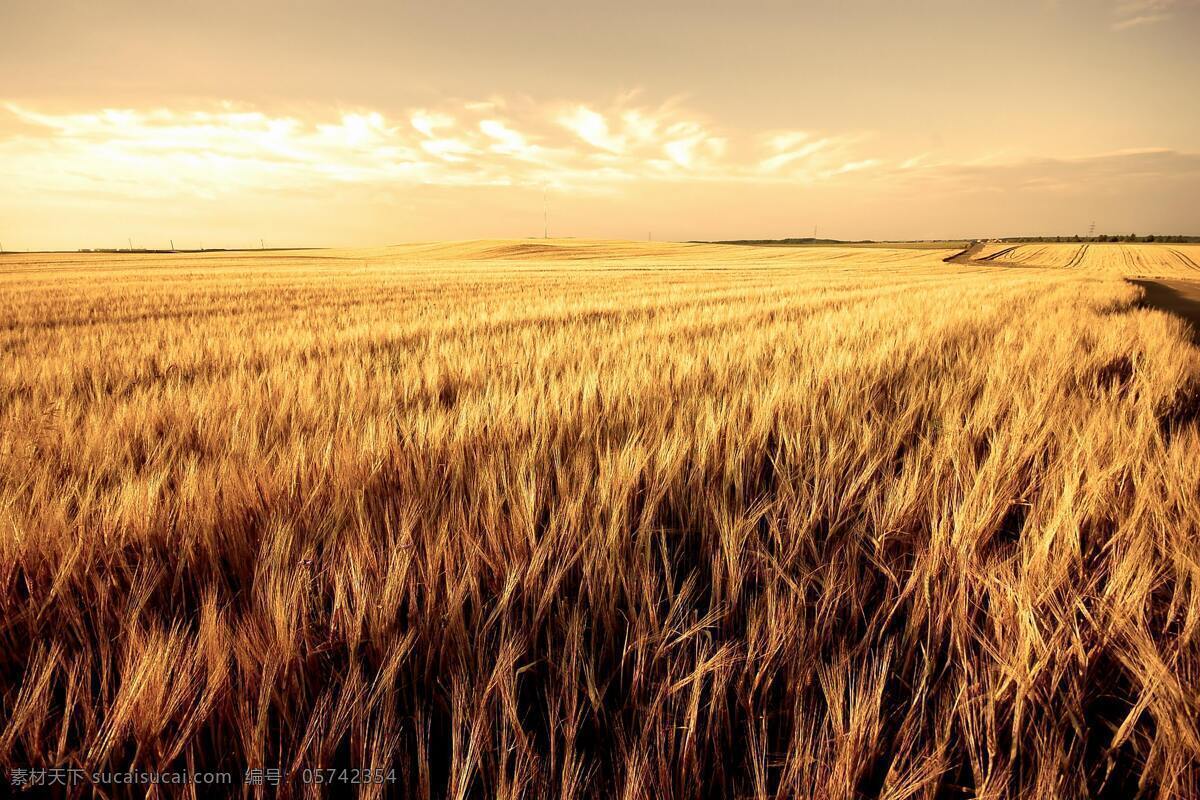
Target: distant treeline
pixel 1107 237
pixel 806 240
pixel 179 250
pixel 1104 237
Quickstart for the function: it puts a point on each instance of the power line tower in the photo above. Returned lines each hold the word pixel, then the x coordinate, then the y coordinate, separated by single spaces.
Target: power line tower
pixel 1092 229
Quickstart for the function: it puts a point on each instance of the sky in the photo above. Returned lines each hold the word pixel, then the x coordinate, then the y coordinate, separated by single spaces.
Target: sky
pixel 309 123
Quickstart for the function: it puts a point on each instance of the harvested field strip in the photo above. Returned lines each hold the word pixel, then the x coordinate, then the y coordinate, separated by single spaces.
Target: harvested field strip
pixel 1112 260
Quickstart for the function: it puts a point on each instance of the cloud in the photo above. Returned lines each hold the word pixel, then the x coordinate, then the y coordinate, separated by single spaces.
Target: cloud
pixel 1138 13
pixel 1105 173
pixel 592 127
pixel 804 156
pixel 428 122
pixel 214 151
pixel 1144 19
pixel 508 141
pixel 132 156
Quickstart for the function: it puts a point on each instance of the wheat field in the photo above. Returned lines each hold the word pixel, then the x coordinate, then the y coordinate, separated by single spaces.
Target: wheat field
pixel 1131 260
pixel 600 519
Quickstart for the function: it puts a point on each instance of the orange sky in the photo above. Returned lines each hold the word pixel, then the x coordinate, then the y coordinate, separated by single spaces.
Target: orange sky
pixel 312 123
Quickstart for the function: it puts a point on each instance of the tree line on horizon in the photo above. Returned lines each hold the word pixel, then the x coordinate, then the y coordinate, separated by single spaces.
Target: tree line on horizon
pixel 1108 237
pixel 1103 237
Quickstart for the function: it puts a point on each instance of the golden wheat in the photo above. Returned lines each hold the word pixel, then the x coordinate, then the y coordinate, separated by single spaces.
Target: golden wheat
pixel 1105 259
pixel 586 519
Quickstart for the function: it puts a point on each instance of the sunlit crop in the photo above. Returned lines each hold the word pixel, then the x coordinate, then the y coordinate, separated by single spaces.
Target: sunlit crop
pixel 579 519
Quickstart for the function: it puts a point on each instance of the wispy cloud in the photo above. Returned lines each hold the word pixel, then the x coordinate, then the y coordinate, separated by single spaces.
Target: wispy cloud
pixel 1103 173
pixel 1137 13
pixel 135 157
pixel 226 148
pixel 592 127
pixel 1144 19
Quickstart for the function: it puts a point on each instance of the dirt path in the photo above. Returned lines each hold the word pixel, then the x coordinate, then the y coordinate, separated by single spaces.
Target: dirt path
pixel 1181 298
pixel 966 256
pixel 970 256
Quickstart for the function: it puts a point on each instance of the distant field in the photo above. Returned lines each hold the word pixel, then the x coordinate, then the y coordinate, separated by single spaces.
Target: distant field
pixel 940 244
pixel 603 519
pixel 1133 260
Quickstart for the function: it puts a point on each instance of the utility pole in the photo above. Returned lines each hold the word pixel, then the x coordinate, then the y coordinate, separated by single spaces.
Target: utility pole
pixel 814 233
pixel 262 244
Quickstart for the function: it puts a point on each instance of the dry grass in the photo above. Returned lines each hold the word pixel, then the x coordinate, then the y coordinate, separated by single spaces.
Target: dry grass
pixel 603 520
